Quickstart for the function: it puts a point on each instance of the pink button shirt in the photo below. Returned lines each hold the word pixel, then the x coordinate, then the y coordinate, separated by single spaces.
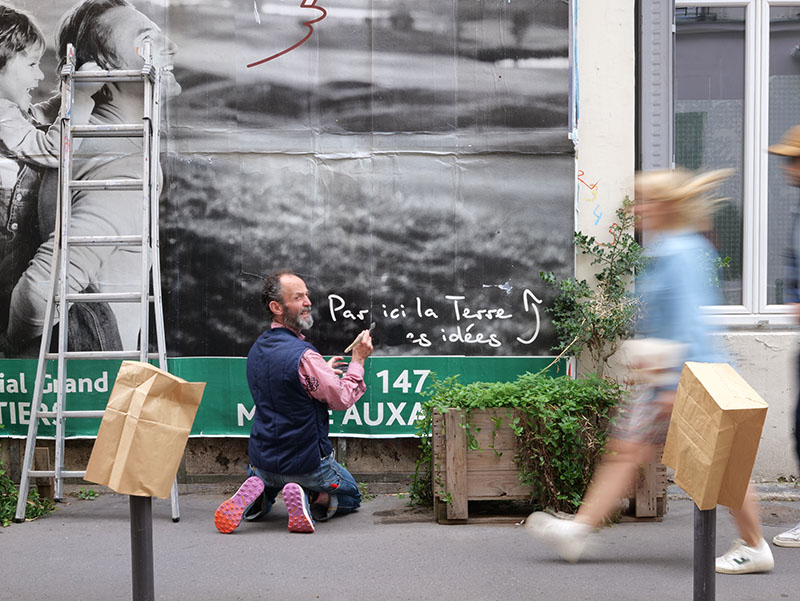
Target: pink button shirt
pixel 322 383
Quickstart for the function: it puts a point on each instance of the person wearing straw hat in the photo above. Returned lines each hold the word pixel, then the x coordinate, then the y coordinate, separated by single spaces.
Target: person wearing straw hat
pixel 789 147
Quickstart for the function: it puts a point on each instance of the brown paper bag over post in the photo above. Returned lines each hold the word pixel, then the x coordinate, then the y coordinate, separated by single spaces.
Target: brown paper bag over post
pixel 714 434
pixel 144 431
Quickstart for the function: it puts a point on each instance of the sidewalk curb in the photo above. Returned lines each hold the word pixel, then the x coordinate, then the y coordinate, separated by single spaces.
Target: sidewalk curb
pixel 767 491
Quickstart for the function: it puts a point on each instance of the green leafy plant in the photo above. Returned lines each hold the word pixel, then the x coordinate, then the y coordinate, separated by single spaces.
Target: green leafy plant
pixel 87 494
pixel 561 434
pixel 364 490
pixel 560 424
pixel 9 494
pixel 597 318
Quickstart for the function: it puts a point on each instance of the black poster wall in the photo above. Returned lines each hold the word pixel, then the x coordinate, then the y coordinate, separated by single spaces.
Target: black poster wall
pixel 410 160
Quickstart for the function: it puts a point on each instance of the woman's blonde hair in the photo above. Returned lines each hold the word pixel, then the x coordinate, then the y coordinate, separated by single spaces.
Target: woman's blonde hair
pixel 692 193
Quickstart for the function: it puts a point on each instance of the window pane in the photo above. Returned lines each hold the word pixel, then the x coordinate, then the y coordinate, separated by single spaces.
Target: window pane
pixel 784 111
pixel 709 118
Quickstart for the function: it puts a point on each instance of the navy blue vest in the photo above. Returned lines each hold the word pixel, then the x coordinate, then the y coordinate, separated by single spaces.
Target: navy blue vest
pixel 290 429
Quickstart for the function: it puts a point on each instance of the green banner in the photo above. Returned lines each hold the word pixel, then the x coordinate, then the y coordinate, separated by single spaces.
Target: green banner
pixel 387 410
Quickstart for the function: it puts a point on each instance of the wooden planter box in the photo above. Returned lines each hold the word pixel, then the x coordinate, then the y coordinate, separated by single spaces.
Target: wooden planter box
pixel 490 473
pixel 648 499
pixel 476 475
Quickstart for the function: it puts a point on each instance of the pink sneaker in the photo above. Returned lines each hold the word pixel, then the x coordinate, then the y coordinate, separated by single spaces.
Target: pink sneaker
pixel 229 514
pixel 297 506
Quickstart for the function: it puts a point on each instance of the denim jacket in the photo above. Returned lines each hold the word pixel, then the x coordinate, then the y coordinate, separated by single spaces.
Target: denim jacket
pixel 674 287
pixel 19 233
pixel 23 139
pixel 791 293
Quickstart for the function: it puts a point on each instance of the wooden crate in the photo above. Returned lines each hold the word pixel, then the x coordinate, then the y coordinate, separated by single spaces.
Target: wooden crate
pixel 484 474
pixel 648 499
pixel 490 473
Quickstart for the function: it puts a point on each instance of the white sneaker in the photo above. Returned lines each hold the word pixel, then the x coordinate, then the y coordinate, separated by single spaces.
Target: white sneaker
pixel 566 537
pixel 743 559
pixel 790 538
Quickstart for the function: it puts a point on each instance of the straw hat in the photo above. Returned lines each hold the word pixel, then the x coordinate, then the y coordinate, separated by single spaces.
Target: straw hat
pixel 679 184
pixel 789 146
pixel 690 194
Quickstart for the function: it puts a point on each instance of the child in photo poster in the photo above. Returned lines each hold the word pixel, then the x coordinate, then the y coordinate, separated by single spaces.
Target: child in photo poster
pixel 27 144
pixel 25 131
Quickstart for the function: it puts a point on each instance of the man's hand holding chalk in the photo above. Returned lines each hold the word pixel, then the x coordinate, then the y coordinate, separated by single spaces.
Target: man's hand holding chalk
pixel 360 337
pixel 362 345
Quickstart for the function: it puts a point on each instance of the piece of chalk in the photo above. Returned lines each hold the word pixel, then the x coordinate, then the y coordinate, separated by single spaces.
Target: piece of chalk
pixel 358 338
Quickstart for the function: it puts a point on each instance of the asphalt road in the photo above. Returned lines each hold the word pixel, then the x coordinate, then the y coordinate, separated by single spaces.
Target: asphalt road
pixel 385 551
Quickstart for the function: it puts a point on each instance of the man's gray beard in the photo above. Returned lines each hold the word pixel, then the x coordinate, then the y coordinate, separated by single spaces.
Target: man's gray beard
pixel 301 322
pixel 306 321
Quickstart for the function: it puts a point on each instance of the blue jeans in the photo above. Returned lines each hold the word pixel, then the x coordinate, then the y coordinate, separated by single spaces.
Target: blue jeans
pixel 330 477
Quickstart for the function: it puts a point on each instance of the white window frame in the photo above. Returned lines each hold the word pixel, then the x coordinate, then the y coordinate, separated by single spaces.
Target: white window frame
pixel 754 310
pixel 763 140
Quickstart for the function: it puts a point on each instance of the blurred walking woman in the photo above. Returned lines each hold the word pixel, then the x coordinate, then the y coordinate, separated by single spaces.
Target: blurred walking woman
pixel 674 207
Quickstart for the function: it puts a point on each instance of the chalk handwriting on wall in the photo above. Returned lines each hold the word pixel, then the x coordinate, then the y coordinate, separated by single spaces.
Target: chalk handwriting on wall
pixel 581 173
pixel 309 24
pixel 461 323
pixel 593 189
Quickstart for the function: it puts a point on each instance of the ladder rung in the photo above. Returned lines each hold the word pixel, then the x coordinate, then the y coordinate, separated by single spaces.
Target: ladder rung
pixel 113 75
pixel 104 297
pixel 52 473
pixel 134 355
pixel 89 413
pixel 105 240
pixel 134 130
pixel 106 184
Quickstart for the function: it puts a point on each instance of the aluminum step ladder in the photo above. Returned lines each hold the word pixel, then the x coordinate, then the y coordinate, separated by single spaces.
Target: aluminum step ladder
pixel 149 185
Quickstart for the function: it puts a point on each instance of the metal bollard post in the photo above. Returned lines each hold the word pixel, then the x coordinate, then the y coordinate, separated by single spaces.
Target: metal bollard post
pixel 705 536
pixel 142 548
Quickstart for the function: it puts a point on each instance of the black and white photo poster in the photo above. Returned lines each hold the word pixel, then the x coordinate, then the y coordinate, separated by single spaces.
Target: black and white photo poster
pixel 410 160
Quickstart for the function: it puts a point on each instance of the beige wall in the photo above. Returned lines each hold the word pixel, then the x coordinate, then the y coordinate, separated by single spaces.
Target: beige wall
pixel 606 105
pixel 606 119
pixel 767 358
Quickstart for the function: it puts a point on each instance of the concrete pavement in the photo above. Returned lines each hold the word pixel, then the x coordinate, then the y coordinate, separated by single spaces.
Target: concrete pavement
pixel 385 551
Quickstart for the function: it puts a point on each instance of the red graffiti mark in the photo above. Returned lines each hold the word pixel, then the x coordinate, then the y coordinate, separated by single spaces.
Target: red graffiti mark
pixel 613 234
pixel 309 24
pixel 581 173
pixel 611 231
